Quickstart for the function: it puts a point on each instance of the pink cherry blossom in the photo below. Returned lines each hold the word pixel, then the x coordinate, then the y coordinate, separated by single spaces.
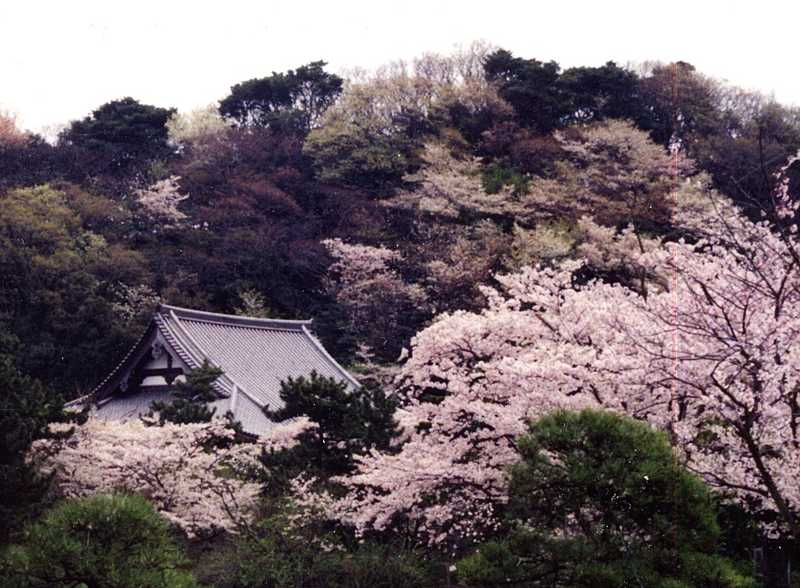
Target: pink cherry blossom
pixel 711 355
pixel 200 490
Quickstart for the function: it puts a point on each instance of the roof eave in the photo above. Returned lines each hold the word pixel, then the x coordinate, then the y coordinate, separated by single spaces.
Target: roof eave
pixel 104 388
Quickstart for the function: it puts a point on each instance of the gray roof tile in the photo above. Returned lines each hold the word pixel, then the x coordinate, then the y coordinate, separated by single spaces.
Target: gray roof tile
pixel 130 406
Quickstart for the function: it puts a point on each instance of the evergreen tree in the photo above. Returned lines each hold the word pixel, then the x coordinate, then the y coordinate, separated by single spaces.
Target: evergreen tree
pixel 97 542
pixel 26 409
pixel 191 398
pixel 531 87
pixel 291 101
pixel 601 500
pixel 350 422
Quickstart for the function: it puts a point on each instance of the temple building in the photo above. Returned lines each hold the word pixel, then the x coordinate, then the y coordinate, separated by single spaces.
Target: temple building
pixel 254 354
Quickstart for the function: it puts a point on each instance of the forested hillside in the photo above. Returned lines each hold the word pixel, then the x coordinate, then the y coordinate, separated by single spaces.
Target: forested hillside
pixel 421 179
pixel 486 239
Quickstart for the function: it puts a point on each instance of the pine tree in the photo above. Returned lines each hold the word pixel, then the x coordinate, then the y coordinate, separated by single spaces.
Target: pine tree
pixel 350 422
pixel 190 398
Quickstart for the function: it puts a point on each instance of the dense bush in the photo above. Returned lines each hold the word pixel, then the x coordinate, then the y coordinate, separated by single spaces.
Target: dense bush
pixel 283 554
pixel 100 542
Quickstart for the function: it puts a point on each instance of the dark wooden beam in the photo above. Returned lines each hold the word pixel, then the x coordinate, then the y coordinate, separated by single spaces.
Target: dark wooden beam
pixel 169 374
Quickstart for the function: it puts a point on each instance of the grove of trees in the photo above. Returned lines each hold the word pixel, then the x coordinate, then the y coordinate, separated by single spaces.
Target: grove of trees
pixel 572 296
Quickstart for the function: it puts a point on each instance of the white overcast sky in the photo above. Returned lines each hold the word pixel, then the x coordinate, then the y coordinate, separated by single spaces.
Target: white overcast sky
pixel 60 59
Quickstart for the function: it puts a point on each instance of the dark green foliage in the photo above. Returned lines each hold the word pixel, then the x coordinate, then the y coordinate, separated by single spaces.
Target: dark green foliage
pixel 598 93
pixel 350 422
pixel 600 500
pixel 97 542
pixel 120 135
pixel 753 138
pixel 523 150
pixel 496 177
pixel 545 99
pixel 531 87
pixel 740 532
pixel 472 124
pixel 57 284
pixel 26 408
pixel 291 101
pixel 743 539
pixel 281 555
pixel 256 217
pixel 29 162
pixel 677 104
pixel 357 156
pixel 191 398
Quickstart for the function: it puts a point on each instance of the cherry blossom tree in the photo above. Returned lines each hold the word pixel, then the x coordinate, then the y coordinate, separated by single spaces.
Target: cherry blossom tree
pixel 610 171
pixel 160 200
pixel 10 133
pixel 377 301
pixel 710 355
pixel 196 127
pixel 457 259
pixel 449 186
pixel 468 397
pixel 200 488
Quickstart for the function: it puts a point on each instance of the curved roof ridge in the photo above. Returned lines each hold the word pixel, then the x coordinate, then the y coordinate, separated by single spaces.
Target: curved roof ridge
pixel 330 358
pixel 183 333
pixel 171 337
pixel 234 319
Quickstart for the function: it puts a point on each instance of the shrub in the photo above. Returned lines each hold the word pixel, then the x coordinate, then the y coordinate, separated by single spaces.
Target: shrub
pixel 104 541
pixel 496 177
pixel 287 553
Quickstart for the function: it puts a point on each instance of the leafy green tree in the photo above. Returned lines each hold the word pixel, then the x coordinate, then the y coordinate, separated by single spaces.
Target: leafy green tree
pixel 121 135
pixel 292 101
pixel 349 422
pixel 544 98
pixel 29 161
pixel 531 87
pixel 253 304
pixel 57 280
pixel 26 409
pixel 190 404
pixel 600 500
pixel 598 93
pixel 356 154
pixel 97 542
pixel 677 104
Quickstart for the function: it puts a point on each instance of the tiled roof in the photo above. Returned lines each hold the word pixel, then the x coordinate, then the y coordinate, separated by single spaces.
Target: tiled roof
pixel 254 354
pixel 129 406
